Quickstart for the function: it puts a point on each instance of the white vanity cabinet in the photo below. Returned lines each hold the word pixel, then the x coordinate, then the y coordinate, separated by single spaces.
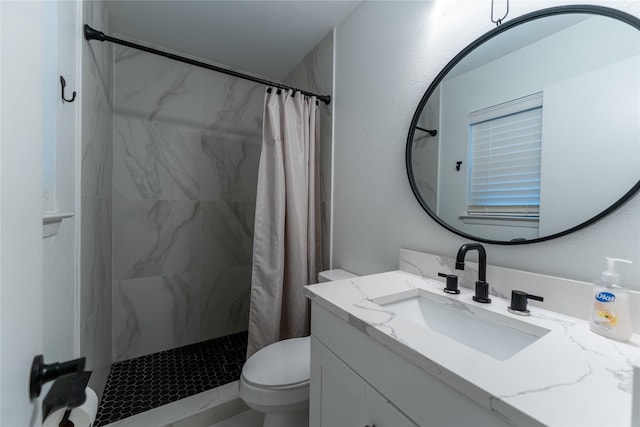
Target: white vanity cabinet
pixel 356 381
pixel 344 398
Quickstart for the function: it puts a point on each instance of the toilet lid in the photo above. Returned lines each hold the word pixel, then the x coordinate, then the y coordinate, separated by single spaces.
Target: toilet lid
pixel 285 363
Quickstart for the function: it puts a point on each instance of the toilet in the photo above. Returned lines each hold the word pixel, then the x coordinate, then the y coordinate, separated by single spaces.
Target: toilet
pixel 275 380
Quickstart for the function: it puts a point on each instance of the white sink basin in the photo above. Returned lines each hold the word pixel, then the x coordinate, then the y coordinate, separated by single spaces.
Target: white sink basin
pixel 493 334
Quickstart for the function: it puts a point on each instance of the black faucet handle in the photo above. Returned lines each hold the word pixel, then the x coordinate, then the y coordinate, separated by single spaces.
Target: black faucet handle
pixel 519 302
pixel 482 292
pixel 452 283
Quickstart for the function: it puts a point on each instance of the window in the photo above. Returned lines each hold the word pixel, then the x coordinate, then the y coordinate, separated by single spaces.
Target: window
pixel 504 178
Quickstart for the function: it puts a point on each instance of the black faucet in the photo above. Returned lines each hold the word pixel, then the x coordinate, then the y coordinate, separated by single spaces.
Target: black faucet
pixel 482 287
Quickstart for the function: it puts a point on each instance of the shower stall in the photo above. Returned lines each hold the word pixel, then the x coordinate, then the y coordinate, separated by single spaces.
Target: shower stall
pixel 184 162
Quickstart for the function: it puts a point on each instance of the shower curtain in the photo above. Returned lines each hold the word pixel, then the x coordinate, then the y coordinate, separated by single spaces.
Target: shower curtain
pixel 286 245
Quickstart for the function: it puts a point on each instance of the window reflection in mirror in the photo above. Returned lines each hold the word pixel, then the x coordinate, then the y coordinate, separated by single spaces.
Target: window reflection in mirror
pixel 504 162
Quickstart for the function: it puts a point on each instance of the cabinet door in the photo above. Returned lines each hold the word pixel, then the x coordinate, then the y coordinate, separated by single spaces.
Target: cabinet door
pixel 341 398
pixel 337 396
pixel 382 413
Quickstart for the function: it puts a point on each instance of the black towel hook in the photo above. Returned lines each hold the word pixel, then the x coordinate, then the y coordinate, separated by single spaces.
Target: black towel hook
pixel 63 82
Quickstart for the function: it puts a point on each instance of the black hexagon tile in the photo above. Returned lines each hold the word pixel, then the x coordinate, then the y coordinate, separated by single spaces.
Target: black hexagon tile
pixel 146 382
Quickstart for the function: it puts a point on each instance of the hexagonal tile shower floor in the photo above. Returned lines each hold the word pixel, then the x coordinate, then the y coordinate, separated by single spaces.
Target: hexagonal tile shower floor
pixel 146 382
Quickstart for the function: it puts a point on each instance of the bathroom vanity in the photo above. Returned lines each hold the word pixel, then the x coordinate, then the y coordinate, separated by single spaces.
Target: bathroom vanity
pixel 392 349
pixel 358 382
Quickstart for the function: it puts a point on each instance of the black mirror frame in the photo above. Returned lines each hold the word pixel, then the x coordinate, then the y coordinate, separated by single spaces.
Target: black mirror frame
pixel 559 10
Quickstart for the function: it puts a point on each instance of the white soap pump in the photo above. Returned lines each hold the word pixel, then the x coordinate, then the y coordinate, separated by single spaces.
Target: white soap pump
pixel 610 315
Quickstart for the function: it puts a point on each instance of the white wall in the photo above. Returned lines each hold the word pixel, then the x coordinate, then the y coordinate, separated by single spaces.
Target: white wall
pixel 597 142
pixel 387 53
pixel 60 308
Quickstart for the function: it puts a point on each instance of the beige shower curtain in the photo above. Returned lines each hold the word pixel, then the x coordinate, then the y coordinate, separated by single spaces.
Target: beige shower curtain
pixel 286 244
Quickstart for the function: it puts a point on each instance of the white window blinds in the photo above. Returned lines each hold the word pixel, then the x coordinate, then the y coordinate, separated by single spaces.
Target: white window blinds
pixel 505 159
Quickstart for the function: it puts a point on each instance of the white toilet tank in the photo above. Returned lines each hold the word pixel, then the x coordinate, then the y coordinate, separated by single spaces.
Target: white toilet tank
pixel 331 275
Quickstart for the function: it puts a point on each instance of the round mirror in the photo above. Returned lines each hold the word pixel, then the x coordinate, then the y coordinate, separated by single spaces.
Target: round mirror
pixel 533 130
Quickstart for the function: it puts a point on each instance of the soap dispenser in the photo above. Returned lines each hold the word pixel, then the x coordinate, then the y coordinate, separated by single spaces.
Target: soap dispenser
pixel 610 315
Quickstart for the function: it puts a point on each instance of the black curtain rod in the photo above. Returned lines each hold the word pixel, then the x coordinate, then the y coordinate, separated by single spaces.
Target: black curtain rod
pixel 431 132
pixel 92 34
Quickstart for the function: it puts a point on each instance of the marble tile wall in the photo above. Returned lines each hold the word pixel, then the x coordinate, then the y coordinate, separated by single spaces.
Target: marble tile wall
pixel 96 198
pixel 315 74
pixel 186 151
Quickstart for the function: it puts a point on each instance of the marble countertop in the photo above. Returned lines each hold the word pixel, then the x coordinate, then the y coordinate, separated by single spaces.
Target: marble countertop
pixel 568 377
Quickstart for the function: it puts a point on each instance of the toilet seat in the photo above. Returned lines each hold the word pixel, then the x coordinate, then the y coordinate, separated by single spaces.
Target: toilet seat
pixel 282 387
pixel 281 365
pixel 275 399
